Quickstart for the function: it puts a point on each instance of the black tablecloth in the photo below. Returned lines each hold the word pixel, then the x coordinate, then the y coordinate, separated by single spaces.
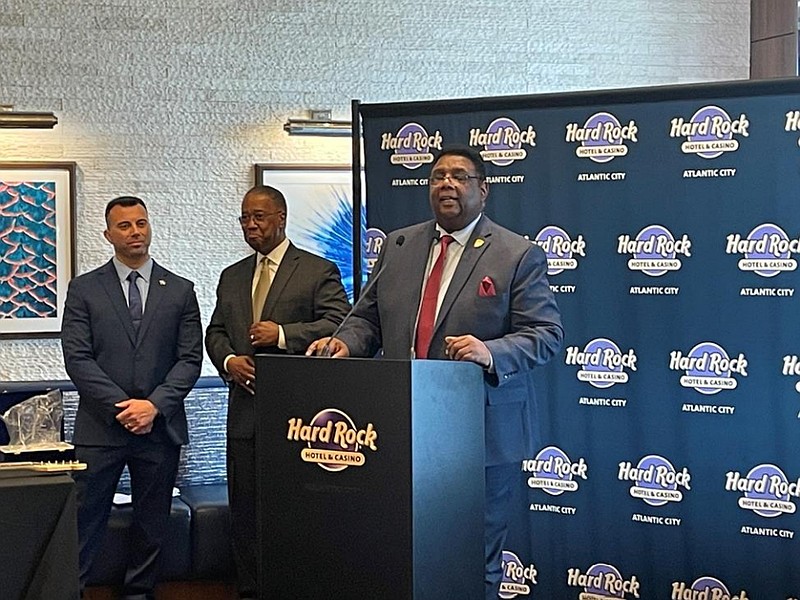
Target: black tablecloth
pixel 38 538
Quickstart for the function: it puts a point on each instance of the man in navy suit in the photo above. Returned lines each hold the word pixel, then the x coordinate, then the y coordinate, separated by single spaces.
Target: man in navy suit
pixel 492 305
pixel 133 347
pixel 275 301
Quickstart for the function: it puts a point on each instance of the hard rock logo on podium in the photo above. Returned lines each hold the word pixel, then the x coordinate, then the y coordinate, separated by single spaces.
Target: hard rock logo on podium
pixel 333 441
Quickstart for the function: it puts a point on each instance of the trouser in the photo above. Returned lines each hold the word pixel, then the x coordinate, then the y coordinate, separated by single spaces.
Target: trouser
pixel 153 468
pixel 500 481
pixel 241 462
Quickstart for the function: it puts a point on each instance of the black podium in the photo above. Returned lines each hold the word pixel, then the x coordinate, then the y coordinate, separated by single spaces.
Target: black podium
pixel 370 478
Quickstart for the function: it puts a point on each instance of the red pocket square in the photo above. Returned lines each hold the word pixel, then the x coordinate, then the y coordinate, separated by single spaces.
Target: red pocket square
pixel 486 288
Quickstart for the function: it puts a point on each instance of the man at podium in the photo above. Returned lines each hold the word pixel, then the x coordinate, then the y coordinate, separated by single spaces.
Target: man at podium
pixel 460 287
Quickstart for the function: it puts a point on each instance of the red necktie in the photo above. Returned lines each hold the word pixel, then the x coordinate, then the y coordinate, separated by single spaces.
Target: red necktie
pixel 430 297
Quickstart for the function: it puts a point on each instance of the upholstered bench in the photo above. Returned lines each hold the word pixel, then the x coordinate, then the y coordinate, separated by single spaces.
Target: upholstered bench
pixel 212 557
pixel 112 559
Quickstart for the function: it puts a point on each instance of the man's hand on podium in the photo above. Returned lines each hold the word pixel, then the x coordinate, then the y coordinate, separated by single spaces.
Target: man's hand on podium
pixel 328 346
pixel 468 347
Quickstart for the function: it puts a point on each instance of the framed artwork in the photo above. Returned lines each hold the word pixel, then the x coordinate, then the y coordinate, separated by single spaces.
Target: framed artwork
pixel 37 254
pixel 319 218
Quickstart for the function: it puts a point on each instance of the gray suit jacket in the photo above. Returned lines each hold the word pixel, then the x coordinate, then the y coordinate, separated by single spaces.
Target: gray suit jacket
pixel 520 323
pixel 108 364
pixel 306 298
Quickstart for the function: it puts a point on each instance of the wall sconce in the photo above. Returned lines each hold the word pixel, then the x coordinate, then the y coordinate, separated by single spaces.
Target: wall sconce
pixel 14 119
pixel 319 123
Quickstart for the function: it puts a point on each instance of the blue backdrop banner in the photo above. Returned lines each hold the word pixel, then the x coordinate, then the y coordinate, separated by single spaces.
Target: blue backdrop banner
pixel 671 223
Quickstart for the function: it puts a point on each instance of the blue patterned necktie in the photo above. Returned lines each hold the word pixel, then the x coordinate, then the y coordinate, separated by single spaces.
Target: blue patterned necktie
pixel 134 301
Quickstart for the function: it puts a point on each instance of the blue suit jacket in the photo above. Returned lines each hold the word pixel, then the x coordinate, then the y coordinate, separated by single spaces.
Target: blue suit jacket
pixel 108 364
pixel 520 323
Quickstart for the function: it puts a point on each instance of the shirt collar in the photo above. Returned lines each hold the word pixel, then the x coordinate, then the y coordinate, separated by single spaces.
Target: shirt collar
pixel 275 255
pixel 123 270
pixel 462 235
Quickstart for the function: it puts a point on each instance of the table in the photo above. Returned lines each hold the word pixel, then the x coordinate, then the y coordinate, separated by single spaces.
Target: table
pixel 38 537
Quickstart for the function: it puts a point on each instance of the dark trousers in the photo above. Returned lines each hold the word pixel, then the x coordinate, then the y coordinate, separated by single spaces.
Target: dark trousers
pixel 153 468
pixel 241 463
pixel 500 482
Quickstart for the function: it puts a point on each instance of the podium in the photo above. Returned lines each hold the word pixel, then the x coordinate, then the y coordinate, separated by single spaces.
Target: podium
pixel 370 478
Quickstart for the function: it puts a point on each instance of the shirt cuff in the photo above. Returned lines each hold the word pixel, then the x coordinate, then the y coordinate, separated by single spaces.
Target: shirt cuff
pixel 281 338
pixel 225 362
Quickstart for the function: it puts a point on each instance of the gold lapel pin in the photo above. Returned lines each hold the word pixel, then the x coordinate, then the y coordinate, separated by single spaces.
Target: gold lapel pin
pixel 478 243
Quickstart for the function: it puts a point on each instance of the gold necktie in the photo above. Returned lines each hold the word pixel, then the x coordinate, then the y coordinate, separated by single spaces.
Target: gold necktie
pixel 262 288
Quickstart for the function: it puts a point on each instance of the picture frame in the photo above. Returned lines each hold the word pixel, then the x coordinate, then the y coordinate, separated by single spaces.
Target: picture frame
pixel 319 202
pixel 37 253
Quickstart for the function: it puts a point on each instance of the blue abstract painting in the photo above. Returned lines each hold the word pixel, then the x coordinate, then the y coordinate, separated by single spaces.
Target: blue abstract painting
pixel 28 265
pixel 320 212
pixel 35 246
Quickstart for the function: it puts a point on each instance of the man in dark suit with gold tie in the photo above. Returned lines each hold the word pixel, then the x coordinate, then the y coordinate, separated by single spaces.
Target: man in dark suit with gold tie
pixel 133 347
pixel 461 287
pixel 276 301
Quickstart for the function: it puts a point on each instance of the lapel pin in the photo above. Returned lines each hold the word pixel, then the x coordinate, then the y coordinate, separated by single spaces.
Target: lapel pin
pixel 478 243
pixel 162 282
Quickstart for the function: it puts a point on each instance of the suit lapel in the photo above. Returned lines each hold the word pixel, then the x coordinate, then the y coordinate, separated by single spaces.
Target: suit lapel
pixel 469 258
pixel 113 288
pixel 243 302
pixel 284 273
pixel 157 289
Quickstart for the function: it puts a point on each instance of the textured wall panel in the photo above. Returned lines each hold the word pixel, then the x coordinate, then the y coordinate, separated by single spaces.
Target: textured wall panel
pixel 175 100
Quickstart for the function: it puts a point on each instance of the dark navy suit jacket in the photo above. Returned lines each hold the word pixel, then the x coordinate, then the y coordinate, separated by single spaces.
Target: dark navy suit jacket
pixel 108 363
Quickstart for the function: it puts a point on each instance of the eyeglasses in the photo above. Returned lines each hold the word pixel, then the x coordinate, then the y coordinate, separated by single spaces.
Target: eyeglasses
pixel 258 217
pixel 438 178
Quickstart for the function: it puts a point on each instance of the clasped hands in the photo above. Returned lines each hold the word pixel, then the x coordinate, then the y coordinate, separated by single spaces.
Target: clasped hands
pixel 137 415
